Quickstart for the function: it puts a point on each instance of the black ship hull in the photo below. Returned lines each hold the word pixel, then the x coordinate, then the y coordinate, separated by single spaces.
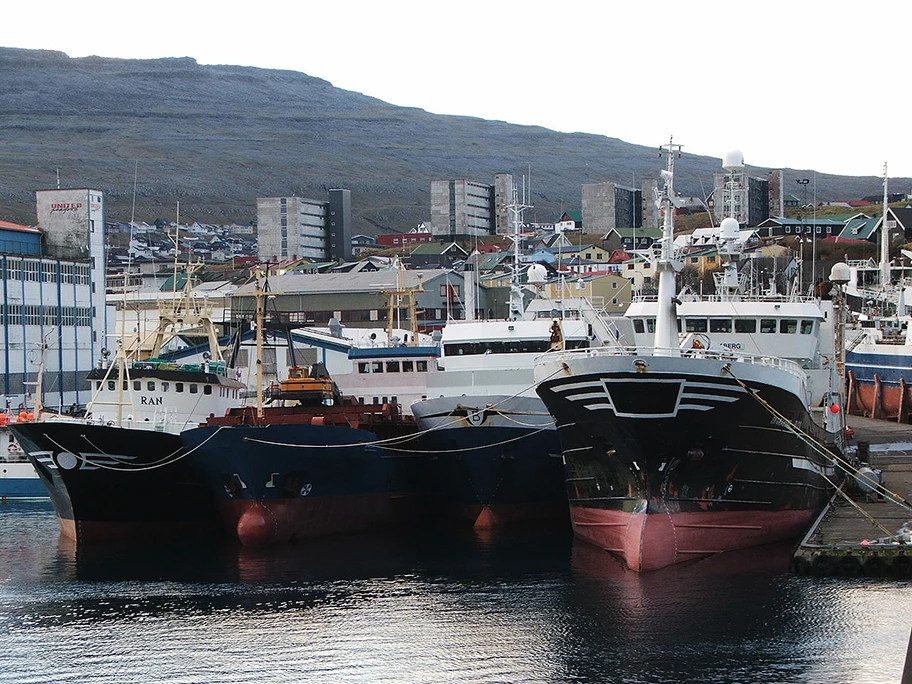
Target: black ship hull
pixel 687 459
pixel 282 482
pixel 109 483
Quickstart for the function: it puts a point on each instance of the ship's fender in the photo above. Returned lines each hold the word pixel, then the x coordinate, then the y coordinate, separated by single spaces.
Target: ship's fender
pixel 822 565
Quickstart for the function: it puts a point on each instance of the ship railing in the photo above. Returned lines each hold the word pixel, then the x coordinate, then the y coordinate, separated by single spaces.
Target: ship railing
pixel 215 367
pixel 745 297
pixel 787 365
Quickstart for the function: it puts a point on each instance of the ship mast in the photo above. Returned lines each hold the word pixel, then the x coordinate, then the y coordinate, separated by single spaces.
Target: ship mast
pixel 258 291
pixel 517 305
pixel 885 239
pixel 394 303
pixel 666 330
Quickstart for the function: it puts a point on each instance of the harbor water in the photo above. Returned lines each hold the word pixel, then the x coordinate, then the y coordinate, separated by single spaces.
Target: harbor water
pixel 528 605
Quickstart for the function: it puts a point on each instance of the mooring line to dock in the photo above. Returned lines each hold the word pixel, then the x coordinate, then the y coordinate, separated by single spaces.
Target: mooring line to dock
pixel 405 439
pixel 838 460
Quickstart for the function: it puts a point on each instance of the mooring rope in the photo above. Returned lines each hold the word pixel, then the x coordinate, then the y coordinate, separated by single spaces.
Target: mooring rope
pixel 844 465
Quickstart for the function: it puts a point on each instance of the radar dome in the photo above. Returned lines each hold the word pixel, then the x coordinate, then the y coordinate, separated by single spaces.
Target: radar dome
pixel 729 228
pixel 733 160
pixel 537 273
pixel 840 273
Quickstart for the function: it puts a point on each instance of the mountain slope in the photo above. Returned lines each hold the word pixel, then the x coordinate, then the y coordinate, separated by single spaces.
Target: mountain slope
pixel 217 137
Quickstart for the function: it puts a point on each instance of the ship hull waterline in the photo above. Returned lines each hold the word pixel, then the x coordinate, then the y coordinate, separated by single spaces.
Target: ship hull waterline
pixel 281 483
pixel 493 460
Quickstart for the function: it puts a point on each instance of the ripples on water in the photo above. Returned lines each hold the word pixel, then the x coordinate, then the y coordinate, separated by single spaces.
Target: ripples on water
pixel 528 606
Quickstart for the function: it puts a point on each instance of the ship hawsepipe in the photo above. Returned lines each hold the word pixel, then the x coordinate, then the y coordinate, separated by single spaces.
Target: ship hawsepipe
pixel 671 458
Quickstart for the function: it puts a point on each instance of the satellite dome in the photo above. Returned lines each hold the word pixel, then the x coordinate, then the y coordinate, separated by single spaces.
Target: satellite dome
pixel 733 160
pixel 729 228
pixel 537 273
pixel 840 273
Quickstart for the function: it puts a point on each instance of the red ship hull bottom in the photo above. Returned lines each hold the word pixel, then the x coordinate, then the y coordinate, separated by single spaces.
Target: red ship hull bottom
pixel 652 541
pixel 490 516
pixel 261 523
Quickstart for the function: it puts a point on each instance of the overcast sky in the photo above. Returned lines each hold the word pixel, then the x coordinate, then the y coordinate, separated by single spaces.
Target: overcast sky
pixel 820 86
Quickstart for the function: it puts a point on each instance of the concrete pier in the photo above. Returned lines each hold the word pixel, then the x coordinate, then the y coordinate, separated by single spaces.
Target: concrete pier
pixel 861 539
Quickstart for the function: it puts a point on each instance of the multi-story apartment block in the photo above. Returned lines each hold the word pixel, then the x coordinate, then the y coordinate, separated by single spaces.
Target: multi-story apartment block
pixel 461 208
pixel 608 205
pixel 289 227
pixel 749 199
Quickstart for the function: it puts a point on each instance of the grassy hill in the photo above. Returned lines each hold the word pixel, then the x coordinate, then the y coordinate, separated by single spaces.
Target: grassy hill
pixel 218 137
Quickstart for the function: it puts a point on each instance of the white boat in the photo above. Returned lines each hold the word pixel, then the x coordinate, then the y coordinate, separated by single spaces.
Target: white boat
pixel 18 478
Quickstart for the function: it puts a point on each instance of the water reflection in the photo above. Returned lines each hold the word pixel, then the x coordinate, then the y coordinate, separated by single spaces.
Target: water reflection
pixel 525 604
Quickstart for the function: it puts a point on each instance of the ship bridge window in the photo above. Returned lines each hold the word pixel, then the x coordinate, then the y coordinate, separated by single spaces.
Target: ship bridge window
pixel 392 366
pixel 767 325
pixel 421 366
pixel 178 387
pixel 377 367
pixel 651 325
pixel 788 325
pixel 697 325
pixel 150 385
pixel 194 388
pixel 98 385
pixel 166 386
pixel 111 385
pixel 363 367
pixel 807 327
pixel 207 389
pixel 720 325
pixel 745 325
pixel 408 366
pixel 137 385
pixel 638 325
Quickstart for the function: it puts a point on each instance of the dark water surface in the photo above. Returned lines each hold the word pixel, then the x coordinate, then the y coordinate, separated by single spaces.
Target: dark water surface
pixel 526 606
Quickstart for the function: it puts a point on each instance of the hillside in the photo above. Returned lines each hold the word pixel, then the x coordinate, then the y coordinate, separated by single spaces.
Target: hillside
pixel 218 137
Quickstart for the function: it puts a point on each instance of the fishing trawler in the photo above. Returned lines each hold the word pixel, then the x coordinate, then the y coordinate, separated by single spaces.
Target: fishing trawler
pixel 306 461
pixel 878 341
pixel 495 456
pixel 119 473
pixel 693 444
